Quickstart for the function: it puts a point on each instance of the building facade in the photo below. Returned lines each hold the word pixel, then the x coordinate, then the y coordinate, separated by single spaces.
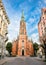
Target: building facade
pixel 4 21
pixel 42 24
pixel 22 46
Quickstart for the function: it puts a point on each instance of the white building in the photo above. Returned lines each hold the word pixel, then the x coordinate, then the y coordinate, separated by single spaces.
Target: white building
pixel 4 21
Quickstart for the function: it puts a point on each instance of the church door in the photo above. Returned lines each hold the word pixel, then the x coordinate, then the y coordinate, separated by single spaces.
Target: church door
pixel 22 52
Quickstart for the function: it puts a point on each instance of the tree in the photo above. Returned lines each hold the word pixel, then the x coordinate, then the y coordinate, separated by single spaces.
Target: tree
pixel 9 47
pixel 35 45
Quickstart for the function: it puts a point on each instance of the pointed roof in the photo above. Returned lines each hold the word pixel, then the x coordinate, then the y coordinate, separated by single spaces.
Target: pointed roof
pixel 22 17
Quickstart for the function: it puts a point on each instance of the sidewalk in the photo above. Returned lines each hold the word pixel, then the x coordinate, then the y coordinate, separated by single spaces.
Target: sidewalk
pixel 37 58
pixel 8 59
pixel 2 61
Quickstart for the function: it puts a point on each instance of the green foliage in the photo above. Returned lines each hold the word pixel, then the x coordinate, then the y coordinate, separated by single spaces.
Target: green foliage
pixel 9 47
pixel 35 45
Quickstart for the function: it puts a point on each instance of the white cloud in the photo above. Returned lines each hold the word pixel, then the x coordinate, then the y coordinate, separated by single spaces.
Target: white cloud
pixel 35 37
pixel 37 11
pixel 31 28
pixel 8 6
pixel 25 7
pixel 31 20
pixel 40 4
pixel 14 26
pixel 34 28
pixel 44 1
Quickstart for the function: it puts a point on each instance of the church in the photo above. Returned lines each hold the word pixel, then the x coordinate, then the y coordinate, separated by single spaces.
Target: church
pixel 22 46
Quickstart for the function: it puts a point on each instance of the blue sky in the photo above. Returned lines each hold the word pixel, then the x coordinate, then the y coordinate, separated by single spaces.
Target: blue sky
pixel 32 13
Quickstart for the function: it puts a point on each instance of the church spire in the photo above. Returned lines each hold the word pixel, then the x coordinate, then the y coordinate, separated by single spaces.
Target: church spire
pixel 22 17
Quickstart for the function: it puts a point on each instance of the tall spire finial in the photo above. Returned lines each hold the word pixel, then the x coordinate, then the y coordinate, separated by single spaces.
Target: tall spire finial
pixel 22 18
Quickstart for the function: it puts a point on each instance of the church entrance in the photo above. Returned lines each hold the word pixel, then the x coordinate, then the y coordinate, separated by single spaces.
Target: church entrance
pixel 22 52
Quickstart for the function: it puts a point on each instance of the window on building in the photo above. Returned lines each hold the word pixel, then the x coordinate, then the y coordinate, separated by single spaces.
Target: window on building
pixel 22 43
pixel 42 31
pixel 22 40
pixel 43 17
pixel 43 23
pixel 41 27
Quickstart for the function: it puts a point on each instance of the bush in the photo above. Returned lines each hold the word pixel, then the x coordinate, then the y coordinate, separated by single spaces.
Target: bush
pixel 9 47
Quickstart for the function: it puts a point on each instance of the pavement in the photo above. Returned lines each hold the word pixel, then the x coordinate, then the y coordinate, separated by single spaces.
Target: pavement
pixel 22 61
pixel 39 59
pixel 4 60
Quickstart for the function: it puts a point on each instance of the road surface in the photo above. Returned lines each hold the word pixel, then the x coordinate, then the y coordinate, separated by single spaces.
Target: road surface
pixel 25 61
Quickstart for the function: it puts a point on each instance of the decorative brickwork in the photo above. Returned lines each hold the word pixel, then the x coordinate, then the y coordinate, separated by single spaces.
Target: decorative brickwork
pixel 22 47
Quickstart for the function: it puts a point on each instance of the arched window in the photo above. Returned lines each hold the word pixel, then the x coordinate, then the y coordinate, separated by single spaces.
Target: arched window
pixel 22 43
pixel 22 40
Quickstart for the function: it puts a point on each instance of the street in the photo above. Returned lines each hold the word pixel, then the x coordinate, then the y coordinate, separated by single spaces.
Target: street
pixel 24 61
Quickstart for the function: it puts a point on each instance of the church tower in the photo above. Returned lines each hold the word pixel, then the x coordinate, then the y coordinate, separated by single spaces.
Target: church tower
pixel 22 46
pixel 22 37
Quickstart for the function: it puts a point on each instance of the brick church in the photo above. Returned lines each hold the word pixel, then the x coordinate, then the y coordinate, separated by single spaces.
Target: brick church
pixel 22 46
